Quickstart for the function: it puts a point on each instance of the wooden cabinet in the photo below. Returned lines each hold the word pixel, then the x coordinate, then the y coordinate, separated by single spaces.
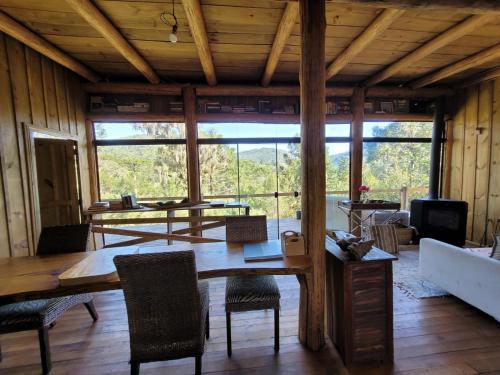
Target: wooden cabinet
pixel 359 304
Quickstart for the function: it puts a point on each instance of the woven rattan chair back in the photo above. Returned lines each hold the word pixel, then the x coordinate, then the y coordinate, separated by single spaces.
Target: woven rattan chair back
pixel 385 237
pixel 163 304
pixel 64 239
pixel 246 228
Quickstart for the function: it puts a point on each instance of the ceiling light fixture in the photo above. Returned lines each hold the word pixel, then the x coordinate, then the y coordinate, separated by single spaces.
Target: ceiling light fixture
pixel 170 19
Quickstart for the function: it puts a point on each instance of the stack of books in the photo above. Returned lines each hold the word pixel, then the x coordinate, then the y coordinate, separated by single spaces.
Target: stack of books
pixel 331 108
pixel 176 107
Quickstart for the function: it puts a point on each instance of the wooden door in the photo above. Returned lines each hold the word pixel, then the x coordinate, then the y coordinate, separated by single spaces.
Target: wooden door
pixel 57 180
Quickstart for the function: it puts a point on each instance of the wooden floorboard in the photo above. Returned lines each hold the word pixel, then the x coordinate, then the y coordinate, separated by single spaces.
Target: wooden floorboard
pixel 437 336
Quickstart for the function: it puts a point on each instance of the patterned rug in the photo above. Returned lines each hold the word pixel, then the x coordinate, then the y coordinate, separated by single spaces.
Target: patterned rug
pixel 407 277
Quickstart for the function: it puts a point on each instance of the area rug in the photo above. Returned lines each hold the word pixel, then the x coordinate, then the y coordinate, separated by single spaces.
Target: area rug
pixel 406 276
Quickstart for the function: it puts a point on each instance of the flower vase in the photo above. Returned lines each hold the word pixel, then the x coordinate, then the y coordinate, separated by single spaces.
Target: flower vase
pixel 364 197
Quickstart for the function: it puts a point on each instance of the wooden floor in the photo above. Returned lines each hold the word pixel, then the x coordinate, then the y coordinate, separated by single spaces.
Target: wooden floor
pixel 432 336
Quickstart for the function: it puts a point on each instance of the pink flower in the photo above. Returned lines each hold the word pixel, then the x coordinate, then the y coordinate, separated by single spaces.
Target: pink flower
pixel 364 188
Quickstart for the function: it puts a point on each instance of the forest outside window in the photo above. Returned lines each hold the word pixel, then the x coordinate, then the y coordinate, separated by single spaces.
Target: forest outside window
pixel 396 160
pixel 144 159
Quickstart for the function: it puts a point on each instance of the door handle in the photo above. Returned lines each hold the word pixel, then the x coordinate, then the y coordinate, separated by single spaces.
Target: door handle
pixel 295 194
pixel 275 194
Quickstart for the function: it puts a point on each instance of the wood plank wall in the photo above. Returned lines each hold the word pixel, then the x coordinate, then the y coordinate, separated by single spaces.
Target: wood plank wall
pixel 475 161
pixel 33 90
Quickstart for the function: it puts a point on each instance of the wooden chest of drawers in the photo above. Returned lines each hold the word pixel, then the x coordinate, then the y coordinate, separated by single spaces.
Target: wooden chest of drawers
pixel 359 305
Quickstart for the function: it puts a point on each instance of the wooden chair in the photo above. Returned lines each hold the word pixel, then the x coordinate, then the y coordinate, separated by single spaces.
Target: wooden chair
pixel 167 307
pixel 385 237
pixel 248 293
pixel 41 314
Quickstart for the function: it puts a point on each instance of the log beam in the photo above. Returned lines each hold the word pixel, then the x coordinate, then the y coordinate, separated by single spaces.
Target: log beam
pixel 480 58
pixel 312 121
pixel 358 118
pixel 98 21
pixel 482 77
pixel 378 26
pixel 443 39
pixel 198 30
pixel 252 90
pixel 455 6
pixel 284 30
pixel 16 30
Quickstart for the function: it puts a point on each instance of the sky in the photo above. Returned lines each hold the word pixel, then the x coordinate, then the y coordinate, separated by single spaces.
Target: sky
pixel 256 130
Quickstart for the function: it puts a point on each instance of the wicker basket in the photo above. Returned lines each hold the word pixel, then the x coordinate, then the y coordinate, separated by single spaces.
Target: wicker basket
pixel 404 235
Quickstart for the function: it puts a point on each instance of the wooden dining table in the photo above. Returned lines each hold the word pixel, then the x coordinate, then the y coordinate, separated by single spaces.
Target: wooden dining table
pixel 32 277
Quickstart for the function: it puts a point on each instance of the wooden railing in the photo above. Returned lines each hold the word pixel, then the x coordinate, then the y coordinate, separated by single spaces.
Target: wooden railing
pixel 404 194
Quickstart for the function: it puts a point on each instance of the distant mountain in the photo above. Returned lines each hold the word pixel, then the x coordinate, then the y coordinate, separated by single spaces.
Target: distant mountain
pixel 265 155
pixel 336 158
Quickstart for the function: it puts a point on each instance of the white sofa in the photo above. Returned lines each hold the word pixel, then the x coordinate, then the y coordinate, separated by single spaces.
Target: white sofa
pixel 469 275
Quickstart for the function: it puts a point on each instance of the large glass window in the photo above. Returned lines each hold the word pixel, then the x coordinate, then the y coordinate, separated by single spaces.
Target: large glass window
pixel 145 159
pixel 396 160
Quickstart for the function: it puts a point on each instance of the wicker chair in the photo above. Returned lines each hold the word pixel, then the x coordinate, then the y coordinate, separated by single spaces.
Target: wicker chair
pixel 385 237
pixel 247 293
pixel 167 307
pixel 41 314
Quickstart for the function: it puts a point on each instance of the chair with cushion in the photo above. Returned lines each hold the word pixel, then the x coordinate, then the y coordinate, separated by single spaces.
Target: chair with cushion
pixel 41 314
pixel 247 293
pixel 385 237
pixel 167 307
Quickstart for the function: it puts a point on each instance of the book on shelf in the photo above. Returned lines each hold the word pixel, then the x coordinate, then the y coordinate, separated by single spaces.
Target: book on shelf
pixel 331 108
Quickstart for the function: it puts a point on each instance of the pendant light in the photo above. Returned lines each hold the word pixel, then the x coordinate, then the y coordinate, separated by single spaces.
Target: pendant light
pixel 170 19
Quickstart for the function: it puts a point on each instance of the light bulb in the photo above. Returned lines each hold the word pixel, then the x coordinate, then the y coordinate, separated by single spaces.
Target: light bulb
pixel 173 38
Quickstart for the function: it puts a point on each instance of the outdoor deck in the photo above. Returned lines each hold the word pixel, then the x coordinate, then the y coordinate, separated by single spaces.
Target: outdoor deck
pixel 220 233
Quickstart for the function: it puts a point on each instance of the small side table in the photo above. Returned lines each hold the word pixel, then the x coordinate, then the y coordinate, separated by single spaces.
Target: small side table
pixel 359 222
pixel 359 304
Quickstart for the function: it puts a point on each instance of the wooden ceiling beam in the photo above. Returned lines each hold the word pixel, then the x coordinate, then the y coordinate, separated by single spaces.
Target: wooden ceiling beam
pixel 16 30
pixel 456 6
pixel 248 90
pixel 467 63
pixel 482 77
pixel 443 39
pixel 284 30
pixel 198 30
pixel 98 21
pixel 379 25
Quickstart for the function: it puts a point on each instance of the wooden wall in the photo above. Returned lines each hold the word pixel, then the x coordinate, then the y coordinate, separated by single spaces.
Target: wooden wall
pixel 475 160
pixel 39 92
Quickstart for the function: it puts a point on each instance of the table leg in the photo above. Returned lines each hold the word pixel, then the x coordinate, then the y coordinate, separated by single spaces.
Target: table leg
pixel 307 335
pixel 170 213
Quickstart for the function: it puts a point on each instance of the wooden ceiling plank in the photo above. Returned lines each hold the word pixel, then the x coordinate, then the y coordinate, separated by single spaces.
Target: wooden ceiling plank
pixel 13 28
pixel 480 58
pixel 433 45
pixel 379 25
pixel 198 30
pixel 284 30
pixel 96 19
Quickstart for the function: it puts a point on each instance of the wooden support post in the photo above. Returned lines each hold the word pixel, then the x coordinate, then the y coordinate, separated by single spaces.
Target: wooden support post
pixel 91 159
pixel 358 117
pixel 194 192
pixel 312 119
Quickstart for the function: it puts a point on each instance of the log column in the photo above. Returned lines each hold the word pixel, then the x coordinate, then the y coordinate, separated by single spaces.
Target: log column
pixel 191 143
pixel 194 192
pixel 312 119
pixel 358 117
